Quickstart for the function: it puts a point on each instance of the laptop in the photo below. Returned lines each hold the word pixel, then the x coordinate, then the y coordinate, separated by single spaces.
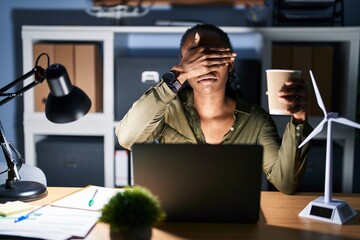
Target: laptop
pixel 202 183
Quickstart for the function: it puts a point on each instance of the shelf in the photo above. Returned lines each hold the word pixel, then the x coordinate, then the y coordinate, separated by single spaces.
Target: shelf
pixel 306 4
pixel 125 45
pixel 311 13
pixel 186 2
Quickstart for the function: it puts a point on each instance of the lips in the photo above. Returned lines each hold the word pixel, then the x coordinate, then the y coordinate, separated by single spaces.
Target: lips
pixel 206 77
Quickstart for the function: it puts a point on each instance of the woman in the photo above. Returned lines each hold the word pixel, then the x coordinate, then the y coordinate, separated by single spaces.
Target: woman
pixel 194 104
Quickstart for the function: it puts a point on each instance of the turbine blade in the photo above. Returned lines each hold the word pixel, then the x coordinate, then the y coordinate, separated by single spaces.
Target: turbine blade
pixel 314 132
pixel 317 94
pixel 346 122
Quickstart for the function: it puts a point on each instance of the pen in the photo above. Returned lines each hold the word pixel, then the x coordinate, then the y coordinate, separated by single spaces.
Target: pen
pixel 26 216
pixel 91 201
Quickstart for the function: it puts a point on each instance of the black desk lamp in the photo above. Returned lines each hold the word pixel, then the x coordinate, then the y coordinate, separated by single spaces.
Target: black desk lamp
pixel 65 103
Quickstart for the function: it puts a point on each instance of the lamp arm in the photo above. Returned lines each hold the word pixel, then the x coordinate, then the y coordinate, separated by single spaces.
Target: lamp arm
pixel 13 158
pixel 13 163
pixel 39 73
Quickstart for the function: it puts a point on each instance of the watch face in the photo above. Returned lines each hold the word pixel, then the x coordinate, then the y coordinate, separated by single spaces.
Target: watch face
pixel 169 77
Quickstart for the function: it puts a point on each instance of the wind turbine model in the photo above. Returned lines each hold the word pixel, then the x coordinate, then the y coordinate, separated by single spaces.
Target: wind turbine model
pixel 326 208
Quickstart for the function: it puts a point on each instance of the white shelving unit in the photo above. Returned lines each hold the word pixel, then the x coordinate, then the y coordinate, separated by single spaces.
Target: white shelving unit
pixel 36 126
pixel 94 124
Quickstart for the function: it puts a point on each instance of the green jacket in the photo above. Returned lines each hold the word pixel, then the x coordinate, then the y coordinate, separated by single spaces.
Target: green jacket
pixel 165 117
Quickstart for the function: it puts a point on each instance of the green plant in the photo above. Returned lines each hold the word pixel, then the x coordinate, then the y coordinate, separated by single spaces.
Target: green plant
pixel 135 207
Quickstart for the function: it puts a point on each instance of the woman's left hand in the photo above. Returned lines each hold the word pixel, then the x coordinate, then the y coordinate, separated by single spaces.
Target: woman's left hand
pixel 295 95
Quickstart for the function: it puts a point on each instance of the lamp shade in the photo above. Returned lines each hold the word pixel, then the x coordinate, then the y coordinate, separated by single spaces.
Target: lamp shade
pixel 65 103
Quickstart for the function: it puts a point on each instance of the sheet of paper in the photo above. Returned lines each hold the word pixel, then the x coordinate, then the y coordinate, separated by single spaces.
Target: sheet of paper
pixel 81 198
pixel 51 223
pixel 14 207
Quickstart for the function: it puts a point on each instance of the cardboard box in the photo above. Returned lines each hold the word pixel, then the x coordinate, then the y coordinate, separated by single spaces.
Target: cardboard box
pixel 64 55
pixel 322 68
pixel 88 74
pixel 302 60
pixel 281 57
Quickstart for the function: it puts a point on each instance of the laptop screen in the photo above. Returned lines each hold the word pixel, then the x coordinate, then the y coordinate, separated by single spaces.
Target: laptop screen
pixel 202 183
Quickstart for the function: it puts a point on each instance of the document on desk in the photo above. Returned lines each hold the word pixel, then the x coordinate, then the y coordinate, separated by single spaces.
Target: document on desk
pixel 51 223
pixel 92 198
pixel 68 217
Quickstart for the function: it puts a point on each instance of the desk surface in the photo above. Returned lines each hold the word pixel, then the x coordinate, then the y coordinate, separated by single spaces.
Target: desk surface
pixel 278 220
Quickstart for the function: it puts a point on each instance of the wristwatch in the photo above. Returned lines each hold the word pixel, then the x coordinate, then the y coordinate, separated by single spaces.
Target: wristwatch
pixel 172 82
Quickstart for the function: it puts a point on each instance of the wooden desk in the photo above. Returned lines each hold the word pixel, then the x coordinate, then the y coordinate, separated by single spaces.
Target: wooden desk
pixel 278 220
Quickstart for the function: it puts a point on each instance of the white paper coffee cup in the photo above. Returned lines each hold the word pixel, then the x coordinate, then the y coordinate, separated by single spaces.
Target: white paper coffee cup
pixel 275 80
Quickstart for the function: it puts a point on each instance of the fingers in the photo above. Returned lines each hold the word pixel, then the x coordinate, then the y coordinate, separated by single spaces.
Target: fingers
pixel 219 57
pixel 196 40
pixel 294 88
pixel 214 55
pixel 220 53
pixel 210 56
pixel 198 60
pixel 294 95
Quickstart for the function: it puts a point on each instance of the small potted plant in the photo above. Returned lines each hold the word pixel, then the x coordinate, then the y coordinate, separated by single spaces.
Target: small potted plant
pixel 132 214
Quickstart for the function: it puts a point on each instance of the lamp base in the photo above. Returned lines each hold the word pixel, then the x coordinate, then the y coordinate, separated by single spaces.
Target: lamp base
pixel 336 211
pixel 25 191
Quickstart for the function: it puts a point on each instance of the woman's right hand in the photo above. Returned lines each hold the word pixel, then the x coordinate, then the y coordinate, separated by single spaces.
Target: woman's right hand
pixel 199 60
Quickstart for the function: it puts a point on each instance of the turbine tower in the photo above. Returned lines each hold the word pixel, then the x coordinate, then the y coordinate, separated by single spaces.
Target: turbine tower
pixel 326 208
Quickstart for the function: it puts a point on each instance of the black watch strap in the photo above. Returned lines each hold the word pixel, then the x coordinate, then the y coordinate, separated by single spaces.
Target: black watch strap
pixel 177 85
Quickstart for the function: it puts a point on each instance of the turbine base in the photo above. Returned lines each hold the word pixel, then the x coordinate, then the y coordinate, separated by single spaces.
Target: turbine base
pixel 336 211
